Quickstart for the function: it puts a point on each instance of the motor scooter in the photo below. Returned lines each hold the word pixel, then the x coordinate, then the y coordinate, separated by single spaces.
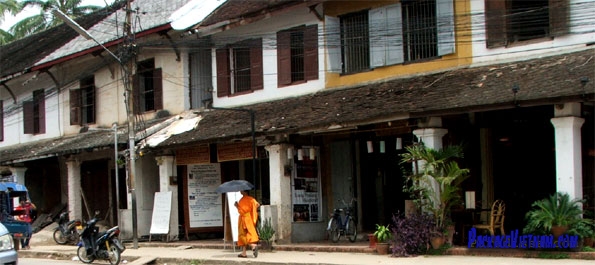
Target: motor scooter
pixel 67 230
pixel 99 245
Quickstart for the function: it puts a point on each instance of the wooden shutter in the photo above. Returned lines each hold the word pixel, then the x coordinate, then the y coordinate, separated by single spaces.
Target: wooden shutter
pixel 386 35
pixel 445 20
pixel 136 94
pixel 223 84
pixel 256 78
pixel 40 99
pixel 75 107
pixel 28 117
pixel 558 17
pixel 495 17
pixel 311 52
pixel 283 58
pixel 158 88
pixel 1 120
pixel 332 33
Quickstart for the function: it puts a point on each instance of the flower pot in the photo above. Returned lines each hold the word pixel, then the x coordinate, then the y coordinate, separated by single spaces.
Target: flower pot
pixel 266 246
pixel 382 248
pixel 558 230
pixel 451 234
pixel 589 242
pixel 372 240
pixel 437 242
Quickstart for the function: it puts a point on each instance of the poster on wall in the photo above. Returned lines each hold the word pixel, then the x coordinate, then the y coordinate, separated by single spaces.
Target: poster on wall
pixel 306 191
pixel 204 204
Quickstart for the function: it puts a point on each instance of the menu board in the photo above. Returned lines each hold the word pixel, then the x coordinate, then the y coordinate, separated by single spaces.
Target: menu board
pixel 204 204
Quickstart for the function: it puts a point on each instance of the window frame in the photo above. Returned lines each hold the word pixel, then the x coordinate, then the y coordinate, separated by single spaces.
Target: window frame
pixel 34 113
pixel 225 73
pixel 148 75
pixel 288 55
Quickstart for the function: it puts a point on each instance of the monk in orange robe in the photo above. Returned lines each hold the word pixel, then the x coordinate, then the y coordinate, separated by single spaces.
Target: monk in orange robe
pixel 247 235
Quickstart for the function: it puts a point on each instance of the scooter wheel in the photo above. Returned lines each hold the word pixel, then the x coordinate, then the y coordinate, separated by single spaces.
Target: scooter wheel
pixel 82 254
pixel 59 237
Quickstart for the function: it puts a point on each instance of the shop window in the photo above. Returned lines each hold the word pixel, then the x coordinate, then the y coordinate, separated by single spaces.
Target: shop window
pixel 513 21
pixel 297 55
pixel 148 87
pixel 34 113
pixel 239 68
pixel 82 103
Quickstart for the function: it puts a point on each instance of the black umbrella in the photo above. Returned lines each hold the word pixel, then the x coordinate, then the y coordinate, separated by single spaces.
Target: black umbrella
pixel 234 185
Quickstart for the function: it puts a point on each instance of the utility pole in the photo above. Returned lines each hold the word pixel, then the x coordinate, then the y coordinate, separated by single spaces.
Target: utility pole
pixel 129 81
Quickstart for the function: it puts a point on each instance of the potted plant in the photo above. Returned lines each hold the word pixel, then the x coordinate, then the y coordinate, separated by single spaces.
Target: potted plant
pixel 266 233
pixel 382 234
pixel 555 214
pixel 434 182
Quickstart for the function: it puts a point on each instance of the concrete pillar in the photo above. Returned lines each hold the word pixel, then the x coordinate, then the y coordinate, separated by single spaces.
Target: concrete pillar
pixel 280 185
pixel 569 171
pixel 75 200
pixel 431 137
pixel 167 178
pixel 18 174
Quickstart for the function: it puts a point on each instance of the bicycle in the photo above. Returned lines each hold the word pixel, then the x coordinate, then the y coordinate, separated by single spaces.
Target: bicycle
pixel 342 223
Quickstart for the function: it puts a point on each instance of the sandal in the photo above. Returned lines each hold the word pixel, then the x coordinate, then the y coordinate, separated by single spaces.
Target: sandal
pixel 242 256
pixel 255 250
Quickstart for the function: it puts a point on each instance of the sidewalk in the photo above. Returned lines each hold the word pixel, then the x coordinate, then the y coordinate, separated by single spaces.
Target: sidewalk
pixel 214 251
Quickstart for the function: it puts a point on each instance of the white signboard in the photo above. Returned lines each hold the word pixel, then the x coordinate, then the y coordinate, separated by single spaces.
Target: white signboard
pixel 161 213
pixel 204 204
pixel 234 215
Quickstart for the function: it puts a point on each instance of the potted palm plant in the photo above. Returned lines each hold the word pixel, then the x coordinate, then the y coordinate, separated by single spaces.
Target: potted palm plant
pixel 556 214
pixel 383 235
pixel 434 182
pixel 266 233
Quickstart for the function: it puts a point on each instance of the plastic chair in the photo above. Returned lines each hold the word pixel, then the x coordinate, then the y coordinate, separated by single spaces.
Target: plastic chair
pixel 496 220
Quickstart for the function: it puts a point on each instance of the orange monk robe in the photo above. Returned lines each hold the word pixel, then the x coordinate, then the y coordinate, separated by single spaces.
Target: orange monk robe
pixel 247 207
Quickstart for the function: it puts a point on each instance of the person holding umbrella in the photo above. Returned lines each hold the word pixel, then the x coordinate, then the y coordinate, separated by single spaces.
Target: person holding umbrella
pixel 247 235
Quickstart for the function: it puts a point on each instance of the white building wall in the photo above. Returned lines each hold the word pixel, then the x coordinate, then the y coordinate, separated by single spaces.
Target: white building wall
pixel 581 28
pixel 267 29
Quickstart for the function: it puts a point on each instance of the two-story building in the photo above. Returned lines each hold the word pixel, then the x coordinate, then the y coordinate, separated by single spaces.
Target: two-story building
pixel 313 101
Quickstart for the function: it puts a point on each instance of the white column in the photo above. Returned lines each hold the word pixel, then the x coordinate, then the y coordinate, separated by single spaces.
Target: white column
pixel 280 185
pixel 569 177
pixel 431 137
pixel 167 174
pixel 18 174
pixel 75 208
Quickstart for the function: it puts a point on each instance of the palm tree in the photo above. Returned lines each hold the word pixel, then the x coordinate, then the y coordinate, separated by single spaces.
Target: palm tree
pixel 11 7
pixel 45 19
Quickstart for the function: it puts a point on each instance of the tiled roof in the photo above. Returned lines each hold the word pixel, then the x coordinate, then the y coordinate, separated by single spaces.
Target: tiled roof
pixel 542 81
pixel 149 14
pixel 20 55
pixel 245 8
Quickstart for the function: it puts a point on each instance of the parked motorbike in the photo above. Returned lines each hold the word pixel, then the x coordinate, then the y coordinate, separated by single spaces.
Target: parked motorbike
pixel 99 245
pixel 67 230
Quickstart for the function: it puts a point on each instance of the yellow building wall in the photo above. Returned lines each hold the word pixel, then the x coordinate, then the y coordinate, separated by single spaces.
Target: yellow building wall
pixel 461 57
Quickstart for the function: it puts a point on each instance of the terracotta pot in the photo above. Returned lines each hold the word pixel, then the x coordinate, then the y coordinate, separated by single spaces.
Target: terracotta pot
pixel 382 248
pixel 558 230
pixel 437 242
pixel 372 240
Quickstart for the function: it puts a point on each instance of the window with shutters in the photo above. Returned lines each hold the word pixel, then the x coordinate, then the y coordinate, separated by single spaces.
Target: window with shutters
pixel 513 21
pixel 354 42
pixel 239 68
pixel 1 120
pixel 148 87
pixel 297 55
pixel 82 103
pixel 419 30
pixel 408 31
pixel 34 113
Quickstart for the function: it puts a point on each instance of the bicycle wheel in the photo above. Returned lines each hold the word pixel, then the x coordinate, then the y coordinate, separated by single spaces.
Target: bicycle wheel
pixel 334 232
pixel 351 230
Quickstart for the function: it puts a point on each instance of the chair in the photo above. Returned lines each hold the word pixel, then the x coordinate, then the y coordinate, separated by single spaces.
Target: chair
pixel 496 218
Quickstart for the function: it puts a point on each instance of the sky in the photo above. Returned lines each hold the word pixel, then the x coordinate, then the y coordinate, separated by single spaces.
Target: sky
pixel 10 20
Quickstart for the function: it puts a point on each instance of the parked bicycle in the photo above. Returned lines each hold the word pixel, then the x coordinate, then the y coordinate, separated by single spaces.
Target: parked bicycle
pixel 342 223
